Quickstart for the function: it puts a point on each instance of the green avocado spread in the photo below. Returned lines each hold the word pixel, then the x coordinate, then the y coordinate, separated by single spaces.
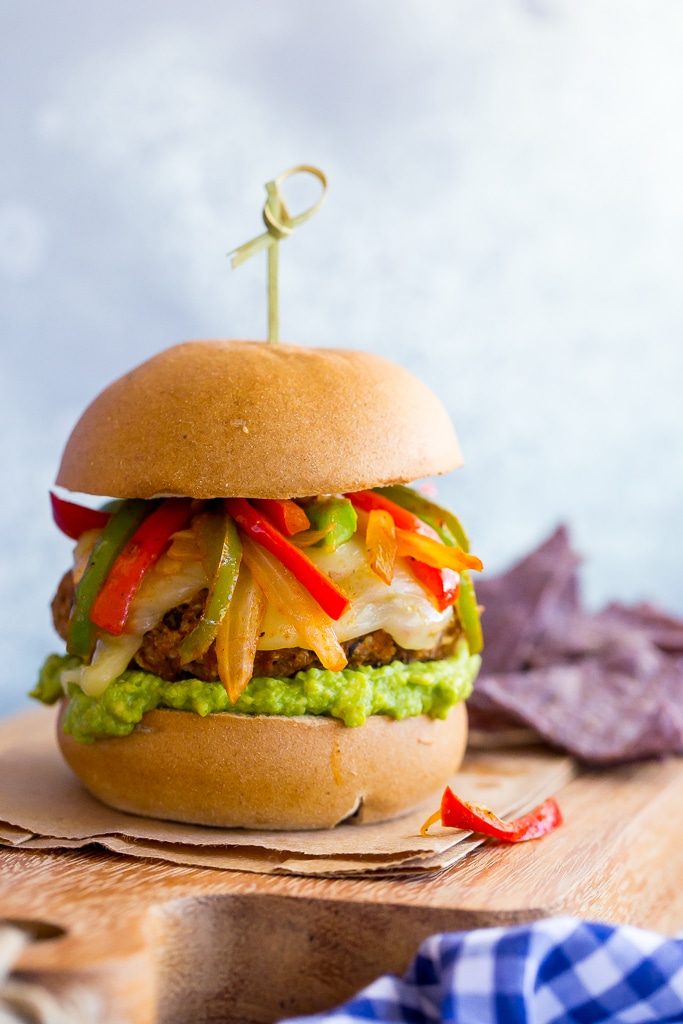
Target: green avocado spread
pixel 398 690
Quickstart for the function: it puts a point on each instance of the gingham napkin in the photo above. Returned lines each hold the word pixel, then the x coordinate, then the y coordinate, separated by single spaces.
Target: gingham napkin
pixel 549 972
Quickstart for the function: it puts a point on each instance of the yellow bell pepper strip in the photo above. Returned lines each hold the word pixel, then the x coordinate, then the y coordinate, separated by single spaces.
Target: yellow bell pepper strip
pixel 286 515
pixel 114 537
pixel 73 520
pixel 457 813
pixel 220 541
pixel 450 529
pixel 142 550
pixel 295 602
pixel 380 540
pixel 238 634
pixel 446 523
pixel 327 594
pixel 336 516
pixel 434 553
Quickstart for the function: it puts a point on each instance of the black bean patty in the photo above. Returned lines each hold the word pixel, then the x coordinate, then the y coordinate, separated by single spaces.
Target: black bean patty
pixel 159 652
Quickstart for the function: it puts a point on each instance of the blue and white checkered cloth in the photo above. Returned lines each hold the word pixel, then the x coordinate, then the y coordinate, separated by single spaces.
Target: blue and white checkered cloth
pixel 550 972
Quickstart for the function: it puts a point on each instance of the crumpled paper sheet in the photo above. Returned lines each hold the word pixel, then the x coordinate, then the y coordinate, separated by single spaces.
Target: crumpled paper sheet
pixel 607 687
pixel 44 807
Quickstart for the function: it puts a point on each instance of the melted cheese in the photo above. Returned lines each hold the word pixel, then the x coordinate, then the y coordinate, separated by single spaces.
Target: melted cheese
pixel 402 609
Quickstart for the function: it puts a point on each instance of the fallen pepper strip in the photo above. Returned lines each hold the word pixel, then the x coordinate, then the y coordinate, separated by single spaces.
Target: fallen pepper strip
pixel 457 813
pixel 327 594
pixel 286 515
pixel 149 541
pixel 73 520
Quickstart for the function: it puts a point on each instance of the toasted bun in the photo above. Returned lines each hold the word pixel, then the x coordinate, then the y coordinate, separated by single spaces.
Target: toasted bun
pixel 212 419
pixel 270 772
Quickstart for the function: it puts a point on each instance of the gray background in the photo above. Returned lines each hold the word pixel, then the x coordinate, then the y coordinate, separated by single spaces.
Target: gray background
pixel 505 217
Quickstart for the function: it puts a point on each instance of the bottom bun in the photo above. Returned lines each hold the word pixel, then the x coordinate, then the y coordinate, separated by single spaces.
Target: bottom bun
pixel 268 771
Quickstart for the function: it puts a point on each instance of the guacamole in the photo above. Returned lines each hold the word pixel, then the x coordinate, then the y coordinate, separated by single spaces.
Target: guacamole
pixel 398 690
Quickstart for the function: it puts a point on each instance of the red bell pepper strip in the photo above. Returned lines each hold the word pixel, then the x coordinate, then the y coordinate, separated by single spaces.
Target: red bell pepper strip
pixel 442 584
pixel 331 599
pixel 286 515
pixel 74 520
pixel 108 546
pixel 149 541
pixel 457 813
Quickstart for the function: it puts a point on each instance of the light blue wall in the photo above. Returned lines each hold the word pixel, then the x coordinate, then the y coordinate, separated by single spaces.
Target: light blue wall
pixel 505 217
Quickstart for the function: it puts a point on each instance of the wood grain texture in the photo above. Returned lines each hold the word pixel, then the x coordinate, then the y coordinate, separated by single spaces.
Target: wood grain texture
pixel 162 942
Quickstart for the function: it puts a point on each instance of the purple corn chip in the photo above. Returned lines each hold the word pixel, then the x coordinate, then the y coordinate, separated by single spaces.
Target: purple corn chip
pixel 606 687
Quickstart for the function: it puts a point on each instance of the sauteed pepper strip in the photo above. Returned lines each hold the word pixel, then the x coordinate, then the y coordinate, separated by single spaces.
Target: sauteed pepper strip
pixel 219 537
pixel 380 538
pixel 468 613
pixel 142 550
pixel 433 552
pixel 286 515
pixel 74 520
pixel 404 520
pixel 457 813
pixel 328 595
pixel 442 583
pixel 336 517
pixel 445 523
pixel 115 535
pixel 450 530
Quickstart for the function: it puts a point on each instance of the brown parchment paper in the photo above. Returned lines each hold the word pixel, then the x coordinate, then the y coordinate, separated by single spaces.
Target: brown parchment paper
pixel 44 807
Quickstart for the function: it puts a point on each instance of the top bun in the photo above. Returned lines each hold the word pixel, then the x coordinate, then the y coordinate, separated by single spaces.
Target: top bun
pixel 211 419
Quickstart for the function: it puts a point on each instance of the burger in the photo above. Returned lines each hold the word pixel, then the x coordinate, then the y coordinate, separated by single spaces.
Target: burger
pixel 265 627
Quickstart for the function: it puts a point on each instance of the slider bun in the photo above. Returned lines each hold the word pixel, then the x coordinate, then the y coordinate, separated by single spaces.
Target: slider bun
pixel 211 419
pixel 271 772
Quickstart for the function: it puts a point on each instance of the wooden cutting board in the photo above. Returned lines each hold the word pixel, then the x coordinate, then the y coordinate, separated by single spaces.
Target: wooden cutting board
pixel 161 942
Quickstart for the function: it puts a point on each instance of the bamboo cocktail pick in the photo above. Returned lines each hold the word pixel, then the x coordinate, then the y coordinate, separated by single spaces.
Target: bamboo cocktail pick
pixel 279 224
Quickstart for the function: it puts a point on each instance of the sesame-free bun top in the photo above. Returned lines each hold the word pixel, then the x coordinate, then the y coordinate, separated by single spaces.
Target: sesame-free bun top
pixel 213 419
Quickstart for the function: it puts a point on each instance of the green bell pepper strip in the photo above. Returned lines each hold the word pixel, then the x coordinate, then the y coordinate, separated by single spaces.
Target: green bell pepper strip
pixel 335 515
pixel 221 541
pixel 115 535
pixel 451 532
pixel 446 524
pixel 468 613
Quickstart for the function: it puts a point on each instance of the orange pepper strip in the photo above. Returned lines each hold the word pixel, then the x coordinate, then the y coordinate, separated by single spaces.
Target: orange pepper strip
pixel 434 553
pixel 380 539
